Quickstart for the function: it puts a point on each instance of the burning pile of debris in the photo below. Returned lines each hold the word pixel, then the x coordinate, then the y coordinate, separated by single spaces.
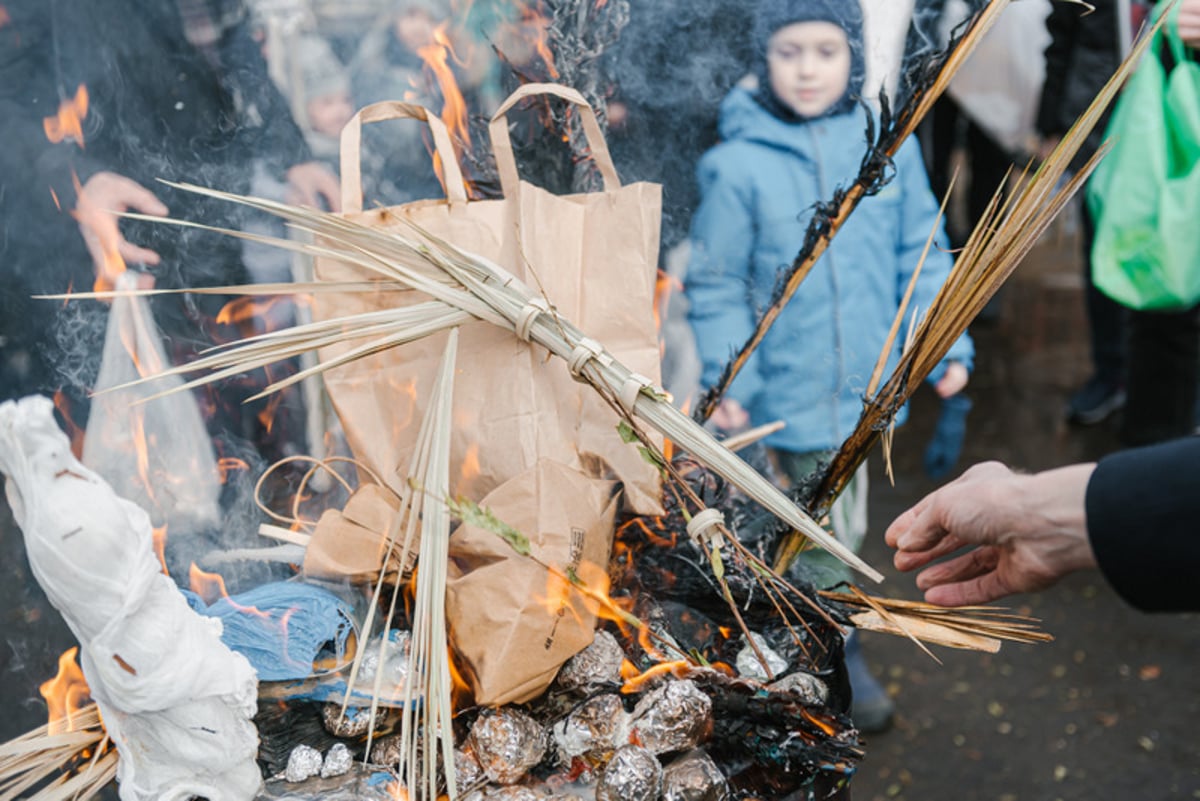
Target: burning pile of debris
pixel 550 581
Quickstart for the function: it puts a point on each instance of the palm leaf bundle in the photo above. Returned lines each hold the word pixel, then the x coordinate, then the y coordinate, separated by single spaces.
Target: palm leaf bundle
pixel 80 755
pixel 462 286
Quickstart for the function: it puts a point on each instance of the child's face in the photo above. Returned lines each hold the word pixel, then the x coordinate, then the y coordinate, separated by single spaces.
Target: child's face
pixel 809 66
pixel 328 114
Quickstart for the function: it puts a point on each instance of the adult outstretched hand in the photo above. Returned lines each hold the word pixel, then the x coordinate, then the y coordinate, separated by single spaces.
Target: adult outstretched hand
pixel 1020 533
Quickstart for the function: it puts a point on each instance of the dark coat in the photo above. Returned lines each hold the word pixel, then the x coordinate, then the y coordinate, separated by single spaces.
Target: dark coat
pixel 1142 508
pixel 1084 52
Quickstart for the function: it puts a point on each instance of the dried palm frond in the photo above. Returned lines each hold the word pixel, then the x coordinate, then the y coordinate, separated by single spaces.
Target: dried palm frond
pixel 82 758
pixel 976 628
pixel 472 285
pixel 1004 236
pixel 830 216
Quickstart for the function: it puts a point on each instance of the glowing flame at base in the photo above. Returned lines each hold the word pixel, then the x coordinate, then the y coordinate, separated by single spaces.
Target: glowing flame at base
pixel 66 693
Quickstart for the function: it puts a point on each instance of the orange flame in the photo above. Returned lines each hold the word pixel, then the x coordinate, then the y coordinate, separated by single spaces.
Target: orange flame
pixel 248 309
pixel 68 122
pixel 636 684
pixel 73 431
pixel 211 588
pixel 228 464
pixel 461 694
pixel 160 547
pixel 66 693
pixel 536 19
pixel 454 106
pixel 4 17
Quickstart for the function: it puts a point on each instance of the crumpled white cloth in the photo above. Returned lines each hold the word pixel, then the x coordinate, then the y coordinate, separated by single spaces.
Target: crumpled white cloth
pixel 175 700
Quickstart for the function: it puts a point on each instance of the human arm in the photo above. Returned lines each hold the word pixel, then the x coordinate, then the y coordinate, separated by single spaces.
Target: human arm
pixel 1133 515
pixel 1022 533
pixel 718 282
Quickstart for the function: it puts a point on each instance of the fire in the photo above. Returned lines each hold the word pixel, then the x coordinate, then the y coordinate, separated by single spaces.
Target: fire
pixel 454 106
pixel 228 464
pixel 461 695
pixel 637 683
pixel 68 122
pixel 160 547
pixel 4 17
pixel 65 694
pixel 536 18
pixel 211 588
pixel 63 406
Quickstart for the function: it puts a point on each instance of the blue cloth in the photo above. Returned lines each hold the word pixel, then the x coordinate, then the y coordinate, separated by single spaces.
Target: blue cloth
pixel 281 627
pixel 945 446
pixel 759 189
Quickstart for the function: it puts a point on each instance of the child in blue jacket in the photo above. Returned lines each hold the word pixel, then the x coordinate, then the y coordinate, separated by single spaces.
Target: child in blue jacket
pixel 789 143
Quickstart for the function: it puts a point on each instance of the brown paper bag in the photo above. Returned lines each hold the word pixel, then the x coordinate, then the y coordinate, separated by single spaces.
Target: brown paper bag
pixel 595 254
pixel 350 545
pixel 514 623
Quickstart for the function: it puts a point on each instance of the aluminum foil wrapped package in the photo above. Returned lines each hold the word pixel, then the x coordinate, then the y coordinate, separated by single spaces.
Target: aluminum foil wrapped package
pixel 673 717
pixel 360 784
pixel 694 777
pixel 467 770
pixel 514 794
pixel 810 689
pixel 507 744
pixel 386 751
pixel 598 665
pixel 355 723
pixel 337 761
pixel 633 774
pixel 593 729
pixel 750 666
pixel 303 763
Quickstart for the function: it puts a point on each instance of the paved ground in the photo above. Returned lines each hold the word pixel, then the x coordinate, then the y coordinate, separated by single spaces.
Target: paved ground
pixel 1108 711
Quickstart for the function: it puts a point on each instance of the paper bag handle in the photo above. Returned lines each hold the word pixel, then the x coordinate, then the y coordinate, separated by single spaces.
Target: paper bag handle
pixel 351 156
pixel 506 162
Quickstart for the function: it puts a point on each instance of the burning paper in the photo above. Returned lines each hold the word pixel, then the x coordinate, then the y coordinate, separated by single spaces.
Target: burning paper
pixel 176 702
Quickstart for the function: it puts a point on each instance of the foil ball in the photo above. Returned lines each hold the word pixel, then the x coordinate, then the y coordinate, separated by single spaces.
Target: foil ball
pixel 593 729
pixel 694 777
pixel 355 723
pixel 633 774
pixel 507 744
pixel 467 770
pixel 673 717
pixel 514 794
pixel 337 761
pixel 811 690
pixel 395 661
pixel 750 666
pixel 386 751
pixel 598 665
pixel 303 763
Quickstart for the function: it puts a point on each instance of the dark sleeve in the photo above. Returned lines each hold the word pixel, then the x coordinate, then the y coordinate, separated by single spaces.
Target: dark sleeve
pixel 1063 25
pixel 267 128
pixel 1143 509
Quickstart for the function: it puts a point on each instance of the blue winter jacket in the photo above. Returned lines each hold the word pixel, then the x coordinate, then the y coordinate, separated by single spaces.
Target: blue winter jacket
pixel 758 189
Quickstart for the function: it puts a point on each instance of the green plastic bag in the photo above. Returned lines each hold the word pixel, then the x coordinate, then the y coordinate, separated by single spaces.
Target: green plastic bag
pixel 1145 195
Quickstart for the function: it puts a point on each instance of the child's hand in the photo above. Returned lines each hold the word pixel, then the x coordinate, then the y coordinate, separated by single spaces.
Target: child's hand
pixel 953 382
pixel 730 416
pixel 1189 22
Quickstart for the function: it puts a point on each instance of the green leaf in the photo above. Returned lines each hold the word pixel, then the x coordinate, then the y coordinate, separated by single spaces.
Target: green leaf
pixel 718 564
pixel 473 514
pixel 651 457
pixel 626 432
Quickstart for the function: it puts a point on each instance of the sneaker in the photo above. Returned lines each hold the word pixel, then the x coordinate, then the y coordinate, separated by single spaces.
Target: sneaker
pixel 1095 402
pixel 872 709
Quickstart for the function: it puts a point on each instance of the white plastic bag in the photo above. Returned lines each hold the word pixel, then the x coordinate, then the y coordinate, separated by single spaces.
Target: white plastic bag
pixel 157 454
